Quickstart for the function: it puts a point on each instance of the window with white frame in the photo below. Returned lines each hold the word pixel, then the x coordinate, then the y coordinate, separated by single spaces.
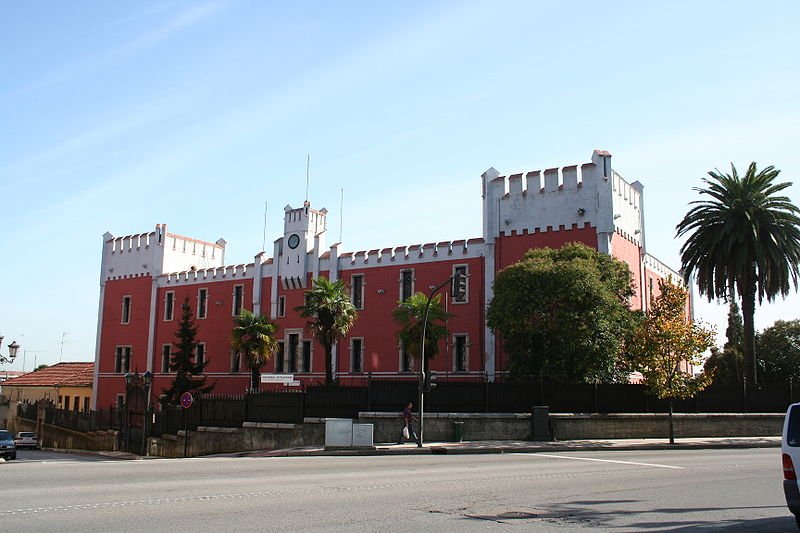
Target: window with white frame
pixel 460 353
pixel 236 362
pixel 461 270
pixel 306 357
pixel 238 299
pixel 279 366
pixel 126 310
pixel 357 355
pixel 202 303
pixel 200 356
pixel 357 291
pixel 122 360
pixel 166 357
pixel 406 284
pixel 406 361
pixel 169 305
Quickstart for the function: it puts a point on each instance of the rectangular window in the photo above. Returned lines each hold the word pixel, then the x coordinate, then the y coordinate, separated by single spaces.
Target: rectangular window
pixel 166 355
pixel 306 356
pixel 356 355
pixel 279 358
pixel 202 303
pixel 406 284
pixel 236 362
pixel 462 271
pixel 238 301
pixel 169 305
pixel 294 343
pixel 122 360
pixel 282 306
pixel 357 291
pixel 406 363
pixel 126 309
pixel 76 404
pixel 86 403
pixel 66 403
pixel 200 355
pixel 460 353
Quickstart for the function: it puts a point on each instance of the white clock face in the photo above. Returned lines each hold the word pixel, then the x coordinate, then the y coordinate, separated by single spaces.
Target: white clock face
pixel 294 240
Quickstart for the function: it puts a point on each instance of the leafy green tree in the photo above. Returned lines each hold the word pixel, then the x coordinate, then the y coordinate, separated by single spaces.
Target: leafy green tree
pixel 778 350
pixel 253 337
pixel 182 361
pixel 744 236
pixel 734 333
pixel 410 315
pixel 666 345
pixel 563 314
pixel 332 315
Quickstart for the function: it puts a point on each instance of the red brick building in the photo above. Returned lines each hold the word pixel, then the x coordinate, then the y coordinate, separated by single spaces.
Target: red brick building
pixel 146 277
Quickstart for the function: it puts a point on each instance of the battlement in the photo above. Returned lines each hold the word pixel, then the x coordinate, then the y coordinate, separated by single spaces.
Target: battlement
pixel 655 265
pixel 209 274
pixel 415 253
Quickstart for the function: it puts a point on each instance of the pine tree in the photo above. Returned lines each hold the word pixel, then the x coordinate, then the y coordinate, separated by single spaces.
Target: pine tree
pixel 182 361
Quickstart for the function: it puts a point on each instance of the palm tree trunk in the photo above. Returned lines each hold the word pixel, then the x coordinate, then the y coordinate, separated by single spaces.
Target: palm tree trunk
pixel 328 364
pixel 255 377
pixel 748 313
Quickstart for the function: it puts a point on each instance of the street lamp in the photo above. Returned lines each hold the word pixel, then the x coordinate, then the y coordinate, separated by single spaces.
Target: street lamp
pixel 147 380
pixel 13 348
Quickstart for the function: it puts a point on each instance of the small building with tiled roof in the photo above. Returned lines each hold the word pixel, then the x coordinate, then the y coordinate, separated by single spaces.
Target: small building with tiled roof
pixel 67 385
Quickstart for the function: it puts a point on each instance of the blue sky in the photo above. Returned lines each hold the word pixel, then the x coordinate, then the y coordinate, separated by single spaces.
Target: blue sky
pixel 115 116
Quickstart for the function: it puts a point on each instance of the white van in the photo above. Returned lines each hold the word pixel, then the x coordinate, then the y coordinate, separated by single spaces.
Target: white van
pixel 790 448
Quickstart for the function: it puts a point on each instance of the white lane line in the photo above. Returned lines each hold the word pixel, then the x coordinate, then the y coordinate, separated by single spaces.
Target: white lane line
pixel 604 460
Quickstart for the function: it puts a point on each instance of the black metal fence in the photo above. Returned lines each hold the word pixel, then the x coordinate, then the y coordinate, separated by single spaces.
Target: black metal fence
pixel 392 396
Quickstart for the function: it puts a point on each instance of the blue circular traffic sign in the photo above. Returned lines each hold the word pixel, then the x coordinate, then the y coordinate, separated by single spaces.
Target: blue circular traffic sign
pixel 186 400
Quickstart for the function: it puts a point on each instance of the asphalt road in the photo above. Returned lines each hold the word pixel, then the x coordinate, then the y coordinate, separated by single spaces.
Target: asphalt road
pixel 673 490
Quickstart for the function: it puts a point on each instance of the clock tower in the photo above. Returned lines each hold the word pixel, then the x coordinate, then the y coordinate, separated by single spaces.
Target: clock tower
pixel 303 234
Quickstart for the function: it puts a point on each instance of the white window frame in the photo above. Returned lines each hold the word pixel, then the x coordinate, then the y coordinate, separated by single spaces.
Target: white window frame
pixel 360 355
pixel 127 304
pixel 124 362
pixel 169 305
pixel 352 291
pixel 453 298
pixel 164 347
pixel 233 302
pixel 413 280
pixel 204 307
pixel 466 352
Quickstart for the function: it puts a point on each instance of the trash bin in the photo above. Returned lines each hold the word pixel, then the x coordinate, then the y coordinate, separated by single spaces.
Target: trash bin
pixel 458 431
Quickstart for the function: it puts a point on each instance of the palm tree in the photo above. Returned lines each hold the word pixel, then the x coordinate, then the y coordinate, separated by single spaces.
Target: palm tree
pixel 410 315
pixel 254 337
pixel 746 238
pixel 332 315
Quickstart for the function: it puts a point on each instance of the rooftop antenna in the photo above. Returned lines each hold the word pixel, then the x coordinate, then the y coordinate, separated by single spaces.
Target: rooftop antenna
pixel 61 353
pixel 308 167
pixel 264 239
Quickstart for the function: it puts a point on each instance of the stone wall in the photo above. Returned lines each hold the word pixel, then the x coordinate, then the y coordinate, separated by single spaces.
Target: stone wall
pixel 58 437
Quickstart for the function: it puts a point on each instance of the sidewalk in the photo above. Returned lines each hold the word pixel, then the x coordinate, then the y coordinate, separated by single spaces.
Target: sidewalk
pixel 505 446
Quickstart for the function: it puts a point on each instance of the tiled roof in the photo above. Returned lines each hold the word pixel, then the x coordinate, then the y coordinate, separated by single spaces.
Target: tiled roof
pixel 61 375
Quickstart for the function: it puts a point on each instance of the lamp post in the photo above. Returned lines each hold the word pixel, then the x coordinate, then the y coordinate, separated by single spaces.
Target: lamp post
pixel 147 380
pixel 13 348
pixel 460 288
pixel 129 378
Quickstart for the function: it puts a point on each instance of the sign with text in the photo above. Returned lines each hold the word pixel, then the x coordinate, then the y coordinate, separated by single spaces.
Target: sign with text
pixel 277 378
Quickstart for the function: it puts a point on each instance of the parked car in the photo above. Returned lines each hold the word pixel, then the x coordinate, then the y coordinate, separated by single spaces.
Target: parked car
pixel 790 448
pixel 26 439
pixel 8 449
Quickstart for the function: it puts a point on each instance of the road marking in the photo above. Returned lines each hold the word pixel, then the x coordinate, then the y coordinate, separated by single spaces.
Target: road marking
pixel 605 461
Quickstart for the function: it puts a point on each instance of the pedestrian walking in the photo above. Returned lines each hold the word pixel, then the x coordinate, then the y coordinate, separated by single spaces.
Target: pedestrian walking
pixel 408 432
